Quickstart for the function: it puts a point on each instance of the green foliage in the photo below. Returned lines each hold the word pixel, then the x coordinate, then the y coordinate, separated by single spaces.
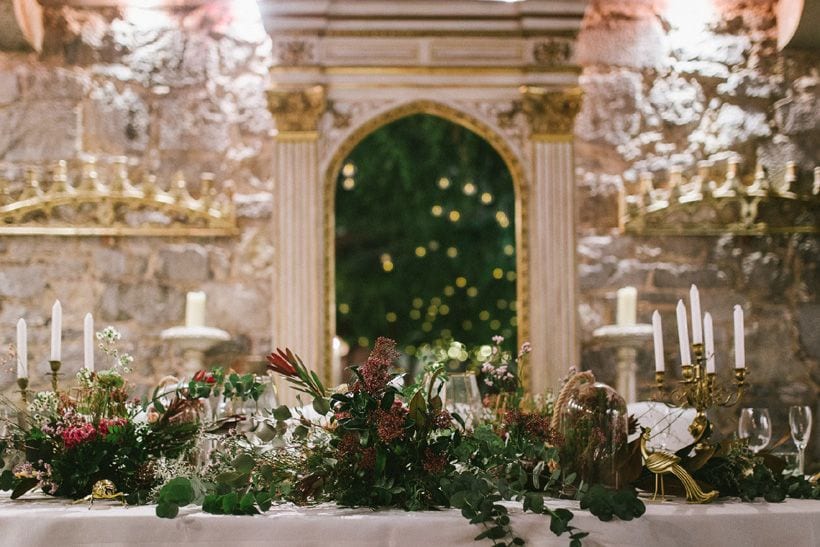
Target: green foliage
pixel 605 503
pixel 389 214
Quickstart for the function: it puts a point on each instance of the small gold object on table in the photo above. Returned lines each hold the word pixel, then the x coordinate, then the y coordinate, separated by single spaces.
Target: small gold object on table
pixel 22 383
pixel 660 463
pixel 103 490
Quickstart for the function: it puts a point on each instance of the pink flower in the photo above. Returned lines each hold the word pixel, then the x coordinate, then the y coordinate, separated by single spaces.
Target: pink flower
pixel 105 425
pixel 498 339
pixel 74 435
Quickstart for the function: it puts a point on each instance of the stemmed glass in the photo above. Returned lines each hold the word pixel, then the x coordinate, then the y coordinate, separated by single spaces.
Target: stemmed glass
pixel 800 425
pixel 755 425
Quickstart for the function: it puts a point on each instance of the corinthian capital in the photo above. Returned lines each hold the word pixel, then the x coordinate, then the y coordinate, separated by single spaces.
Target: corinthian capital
pixel 297 110
pixel 551 112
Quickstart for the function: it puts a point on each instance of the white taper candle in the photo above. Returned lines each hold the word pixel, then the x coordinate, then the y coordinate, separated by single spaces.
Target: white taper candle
pixel 740 348
pixel 683 335
pixel 88 342
pixel 657 338
pixel 22 349
pixel 709 343
pixel 56 330
pixel 697 318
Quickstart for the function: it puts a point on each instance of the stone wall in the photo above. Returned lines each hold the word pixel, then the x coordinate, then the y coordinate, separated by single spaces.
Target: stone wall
pixel 670 83
pixel 173 91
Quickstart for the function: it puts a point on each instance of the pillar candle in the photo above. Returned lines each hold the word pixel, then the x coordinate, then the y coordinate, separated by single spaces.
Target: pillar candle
pixel 195 309
pixel 697 318
pixel 740 348
pixel 709 343
pixel 56 330
pixel 683 334
pixel 22 349
pixel 657 337
pixel 88 342
pixel 627 306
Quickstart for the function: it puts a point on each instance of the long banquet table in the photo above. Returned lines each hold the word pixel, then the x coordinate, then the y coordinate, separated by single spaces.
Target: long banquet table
pixel 51 522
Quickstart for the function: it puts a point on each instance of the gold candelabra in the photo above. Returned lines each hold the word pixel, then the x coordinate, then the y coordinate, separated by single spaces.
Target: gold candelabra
pixel 701 390
pixel 22 383
pixel 88 202
pixel 55 372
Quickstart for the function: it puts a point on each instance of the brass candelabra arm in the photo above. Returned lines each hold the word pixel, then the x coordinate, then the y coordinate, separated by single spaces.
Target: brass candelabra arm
pixel 22 383
pixel 55 372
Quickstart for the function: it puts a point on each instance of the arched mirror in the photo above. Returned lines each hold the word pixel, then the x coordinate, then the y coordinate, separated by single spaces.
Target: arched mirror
pixel 425 239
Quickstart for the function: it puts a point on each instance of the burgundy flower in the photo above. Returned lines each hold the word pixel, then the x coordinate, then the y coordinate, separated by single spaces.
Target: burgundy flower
pixel 442 420
pixel 368 461
pixel 376 370
pixel 348 445
pixel 433 462
pixel 390 424
pixel 280 362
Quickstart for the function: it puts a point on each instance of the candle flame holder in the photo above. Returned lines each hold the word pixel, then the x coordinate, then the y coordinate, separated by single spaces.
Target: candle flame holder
pixel 22 383
pixel 701 390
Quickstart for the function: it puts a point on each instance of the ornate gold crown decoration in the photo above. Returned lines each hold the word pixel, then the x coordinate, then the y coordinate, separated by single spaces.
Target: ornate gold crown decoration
pixel 119 207
pixel 705 206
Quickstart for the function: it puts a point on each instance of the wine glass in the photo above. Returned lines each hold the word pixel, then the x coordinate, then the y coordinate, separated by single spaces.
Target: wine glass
pixel 800 425
pixel 461 396
pixel 756 426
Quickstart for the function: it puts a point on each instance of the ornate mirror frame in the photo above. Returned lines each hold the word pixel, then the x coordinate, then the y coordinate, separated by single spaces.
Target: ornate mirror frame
pixel 502 70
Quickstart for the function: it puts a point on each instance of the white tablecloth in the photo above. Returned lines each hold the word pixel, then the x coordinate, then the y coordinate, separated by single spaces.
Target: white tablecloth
pixel 52 523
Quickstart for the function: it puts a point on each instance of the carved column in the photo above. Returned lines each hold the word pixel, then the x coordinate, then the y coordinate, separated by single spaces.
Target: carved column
pixel 553 316
pixel 299 316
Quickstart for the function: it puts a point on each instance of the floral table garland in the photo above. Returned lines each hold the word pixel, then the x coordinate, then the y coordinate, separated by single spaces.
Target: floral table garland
pixel 380 444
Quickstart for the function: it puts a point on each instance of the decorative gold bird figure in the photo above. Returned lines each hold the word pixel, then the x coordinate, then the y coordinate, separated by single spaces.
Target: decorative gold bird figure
pixel 660 463
pixel 103 490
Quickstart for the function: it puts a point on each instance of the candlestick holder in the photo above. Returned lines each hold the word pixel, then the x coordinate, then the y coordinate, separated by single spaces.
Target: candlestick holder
pixel 55 373
pixel 701 390
pixel 22 383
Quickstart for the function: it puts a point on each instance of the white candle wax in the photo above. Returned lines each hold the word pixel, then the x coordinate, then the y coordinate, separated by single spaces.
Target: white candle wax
pixel 56 331
pixel 88 342
pixel 709 343
pixel 740 348
pixel 683 334
pixel 22 349
pixel 195 309
pixel 657 337
pixel 697 318
pixel 626 312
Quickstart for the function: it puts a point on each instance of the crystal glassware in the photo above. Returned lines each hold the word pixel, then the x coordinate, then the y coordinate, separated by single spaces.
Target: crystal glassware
pixel 800 425
pixel 461 396
pixel 756 426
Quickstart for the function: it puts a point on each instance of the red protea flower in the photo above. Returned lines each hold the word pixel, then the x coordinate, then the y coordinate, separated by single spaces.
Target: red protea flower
pixel 376 370
pixel 433 462
pixel 280 362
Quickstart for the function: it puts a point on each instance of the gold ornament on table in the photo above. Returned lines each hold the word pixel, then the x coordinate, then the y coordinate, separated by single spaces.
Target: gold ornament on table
pixel 660 463
pixel 90 206
pixel 103 490
pixel 756 204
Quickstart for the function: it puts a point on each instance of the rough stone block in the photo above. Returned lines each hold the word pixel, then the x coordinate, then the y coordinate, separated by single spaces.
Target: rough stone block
pixel 238 308
pixel 39 130
pixel 184 263
pixel 808 316
pixel 23 281
pixel 678 101
pixel 611 110
pixel 150 305
pixel 9 89
pixel 797 115
pixel 114 122
pixel 639 43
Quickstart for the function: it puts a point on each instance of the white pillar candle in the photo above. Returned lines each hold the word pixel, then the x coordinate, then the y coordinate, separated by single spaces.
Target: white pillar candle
pixel 657 337
pixel 709 343
pixel 195 309
pixel 740 348
pixel 22 349
pixel 56 331
pixel 697 318
pixel 683 334
pixel 626 312
pixel 88 342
